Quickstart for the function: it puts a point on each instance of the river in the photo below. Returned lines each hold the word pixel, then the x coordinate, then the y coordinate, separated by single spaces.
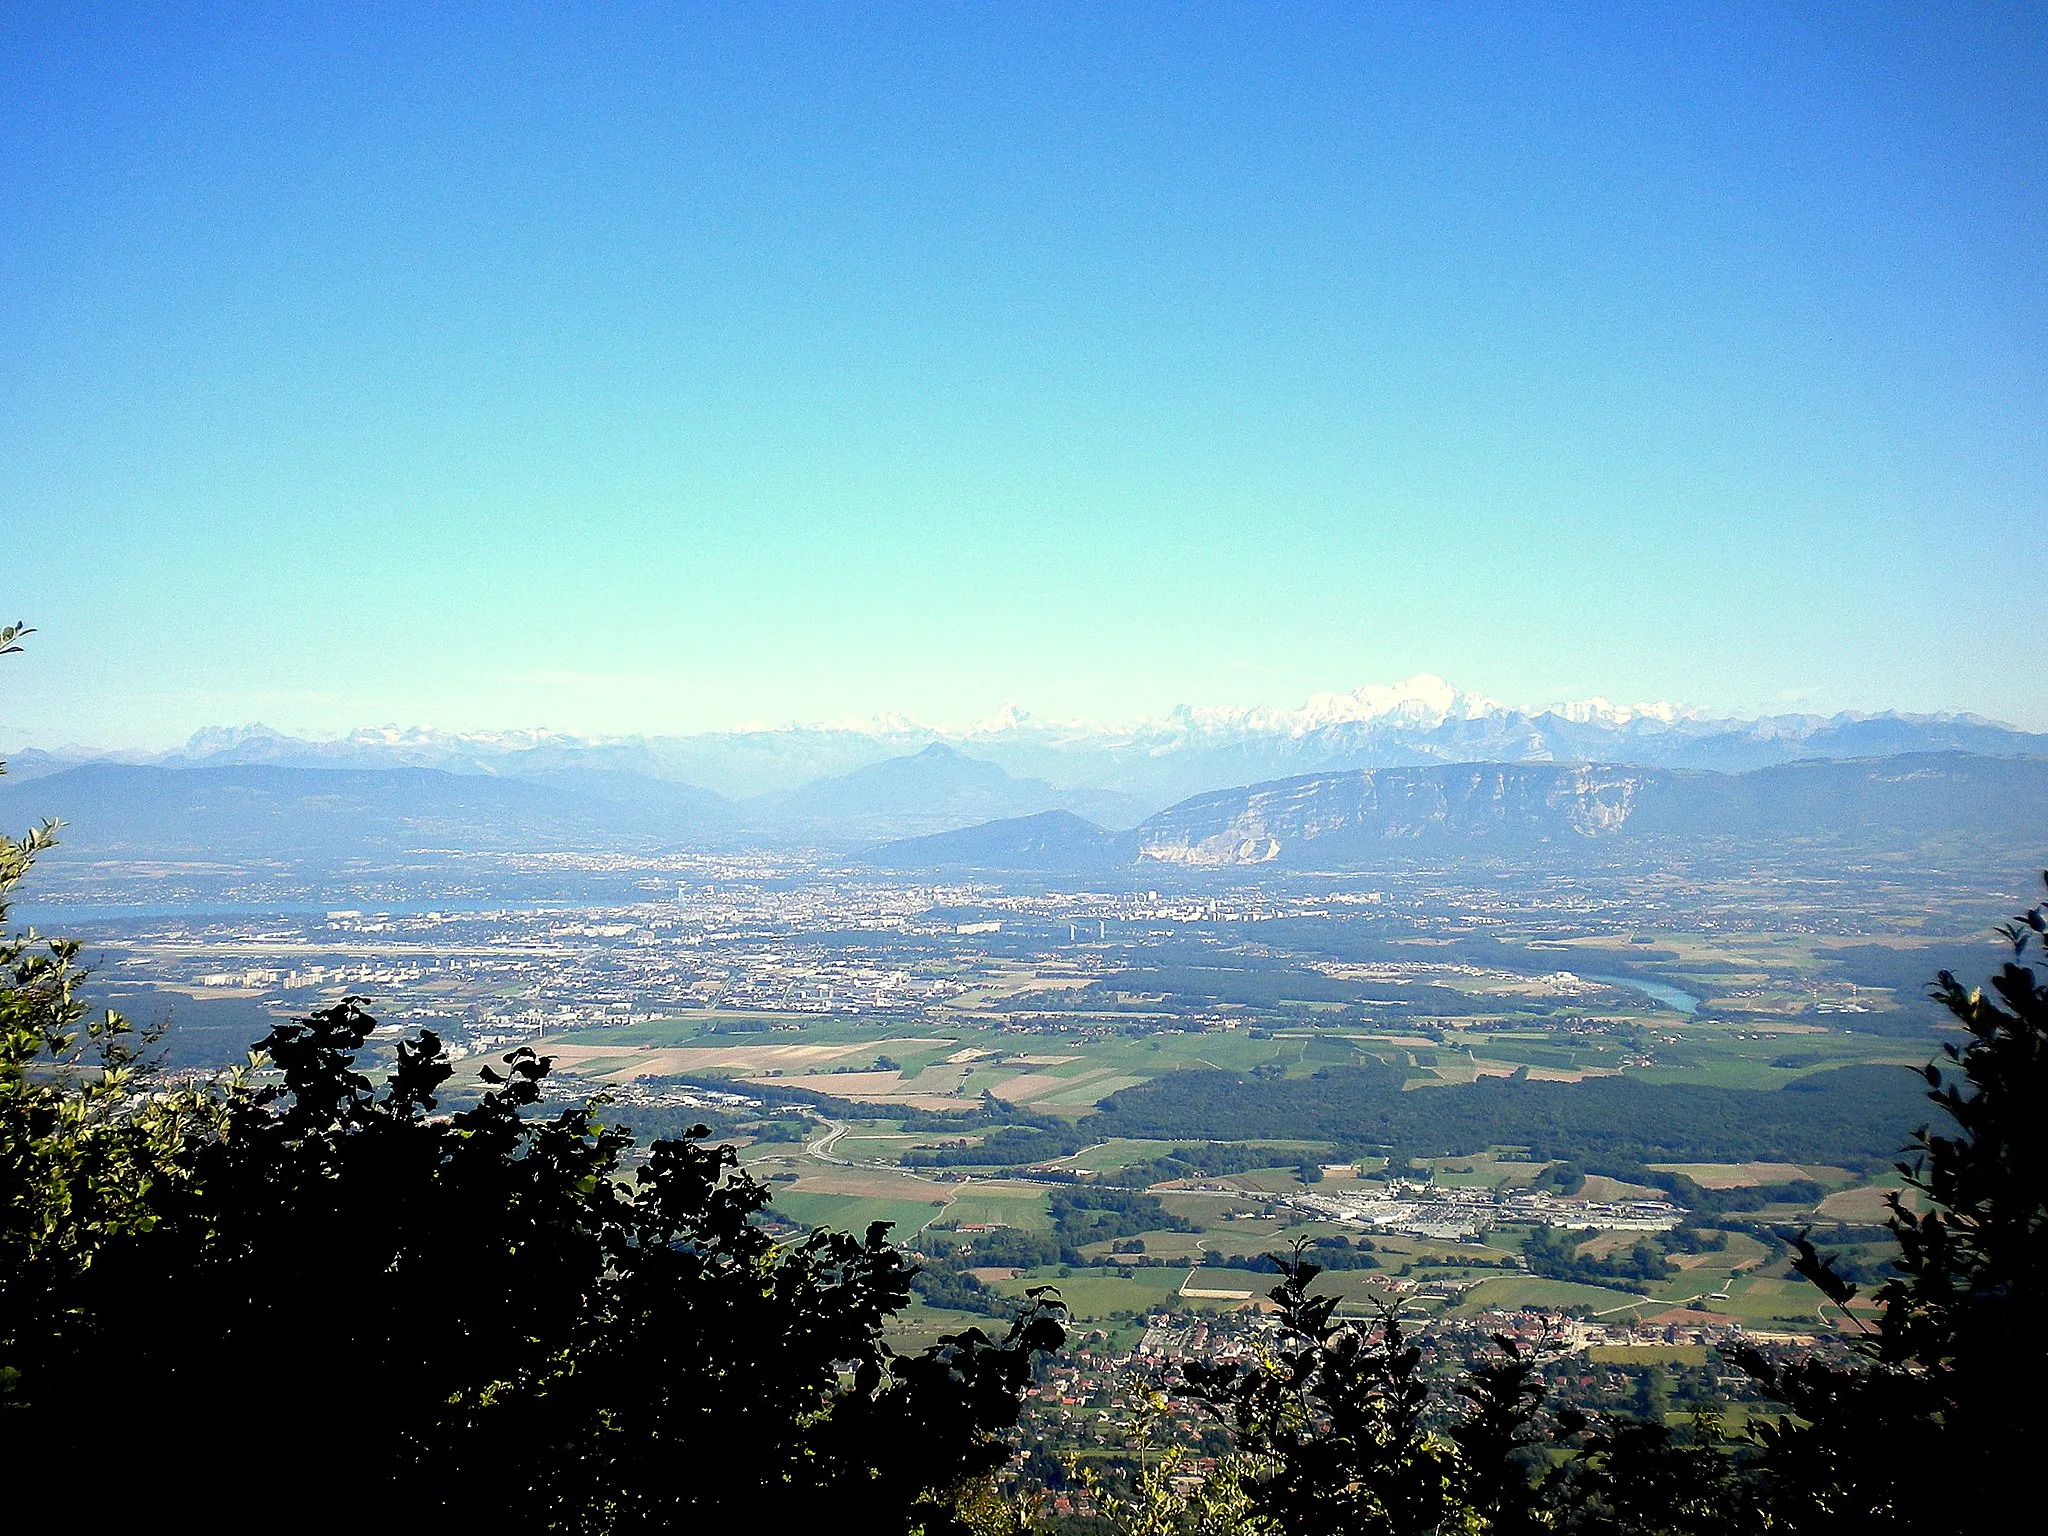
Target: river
pixel 1658 992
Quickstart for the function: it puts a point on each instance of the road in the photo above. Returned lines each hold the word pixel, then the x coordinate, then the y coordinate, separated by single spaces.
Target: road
pixel 821 1149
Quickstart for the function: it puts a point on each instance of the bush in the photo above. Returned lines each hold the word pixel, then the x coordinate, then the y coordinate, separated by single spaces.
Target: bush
pixel 1924 1428
pixel 328 1296
pixel 492 1321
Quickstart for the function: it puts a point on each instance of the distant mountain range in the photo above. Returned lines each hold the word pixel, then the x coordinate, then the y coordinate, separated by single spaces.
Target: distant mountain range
pixel 1150 765
pixel 1052 842
pixel 938 787
pixel 277 812
pixel 265 814
pixel 1410 764
pixel 337 817
pixel 1366 817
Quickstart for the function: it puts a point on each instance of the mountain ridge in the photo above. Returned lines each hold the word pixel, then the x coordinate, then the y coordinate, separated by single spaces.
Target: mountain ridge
pixel 1155 763
pixel 256 810
pixel 1049 842
pixel 935 790
pixel 1365 816
pixel 1357 817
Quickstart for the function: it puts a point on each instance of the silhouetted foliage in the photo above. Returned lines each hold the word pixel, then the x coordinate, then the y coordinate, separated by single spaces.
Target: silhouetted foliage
pixel 350 1307
pixel 346 1306
pixel 83 1148
pixel 1640 1477
pixel 1926 1426
pixel 1337 1428
pixel 1947 1387
pixel 478 1313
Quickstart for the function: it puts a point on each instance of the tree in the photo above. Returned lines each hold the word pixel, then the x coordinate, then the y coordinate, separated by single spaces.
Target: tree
pixel 1337 1428
pixel 1164 1496
pixel 477 1313
pixel 1640 1477
pixel 83 1140
pixel 1945 1388
pixel 1925 1423
pixel 358 1307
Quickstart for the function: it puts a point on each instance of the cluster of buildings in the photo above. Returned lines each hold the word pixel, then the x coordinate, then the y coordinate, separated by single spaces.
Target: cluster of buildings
pixel 1093 1396
pixel 792 941
pixel 485 979
pixel 779 939
pixel 1429 1210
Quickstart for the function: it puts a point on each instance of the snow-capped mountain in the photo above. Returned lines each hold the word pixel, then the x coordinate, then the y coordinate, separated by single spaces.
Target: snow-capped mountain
pixel 1149 763
pixel 1422 702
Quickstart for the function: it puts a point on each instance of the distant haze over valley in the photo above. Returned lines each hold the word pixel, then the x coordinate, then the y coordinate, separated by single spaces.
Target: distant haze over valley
pixel 1135 768
pixel 1417 769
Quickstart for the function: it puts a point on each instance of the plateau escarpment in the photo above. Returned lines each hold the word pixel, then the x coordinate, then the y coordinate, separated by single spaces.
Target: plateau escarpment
pixel 1501 804
pixel 1943 799
pixel 1934 803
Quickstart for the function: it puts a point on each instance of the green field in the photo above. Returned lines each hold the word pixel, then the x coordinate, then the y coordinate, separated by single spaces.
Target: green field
pixel 1758 1299
pixel 1483 1170
pixel 1742 1175
pixel 1649 1354
pixel 1119 1152
pixel 853 1213
pixel 1530 1291
pixel 1093 1295
pixel 1749 1034
pixel 988 1203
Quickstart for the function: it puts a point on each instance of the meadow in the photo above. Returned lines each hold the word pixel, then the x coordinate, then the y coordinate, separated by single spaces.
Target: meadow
pixel 1053 1042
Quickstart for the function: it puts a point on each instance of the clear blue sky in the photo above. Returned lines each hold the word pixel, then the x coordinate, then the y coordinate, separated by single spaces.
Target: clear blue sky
pixel 668 367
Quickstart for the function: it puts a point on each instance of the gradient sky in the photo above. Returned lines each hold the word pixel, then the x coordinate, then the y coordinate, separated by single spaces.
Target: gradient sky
pixel 660 368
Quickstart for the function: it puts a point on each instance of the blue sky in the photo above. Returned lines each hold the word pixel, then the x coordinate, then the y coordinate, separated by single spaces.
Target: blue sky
pixel 662 368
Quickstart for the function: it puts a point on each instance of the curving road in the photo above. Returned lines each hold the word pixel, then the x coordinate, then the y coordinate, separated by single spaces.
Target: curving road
pixel 821 1149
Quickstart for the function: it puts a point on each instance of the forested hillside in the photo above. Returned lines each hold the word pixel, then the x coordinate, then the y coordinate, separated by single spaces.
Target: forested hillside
pixel 1852 1116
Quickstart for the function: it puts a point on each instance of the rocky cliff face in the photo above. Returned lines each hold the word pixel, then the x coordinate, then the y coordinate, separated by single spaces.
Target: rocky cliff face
pixel 1500 804
pixel 1937 799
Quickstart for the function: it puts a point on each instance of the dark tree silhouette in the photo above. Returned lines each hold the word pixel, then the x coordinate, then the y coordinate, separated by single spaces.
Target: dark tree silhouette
pixel 1637 1477
pixel 338 1306
pixel 1336 1428
pixel 332 1305
pixel 1926 1426
pixel 476 1317
pixel 82 1146
pixel 1937 1418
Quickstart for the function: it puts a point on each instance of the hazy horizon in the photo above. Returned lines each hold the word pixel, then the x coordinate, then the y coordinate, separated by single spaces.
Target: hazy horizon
pixel 1424 695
